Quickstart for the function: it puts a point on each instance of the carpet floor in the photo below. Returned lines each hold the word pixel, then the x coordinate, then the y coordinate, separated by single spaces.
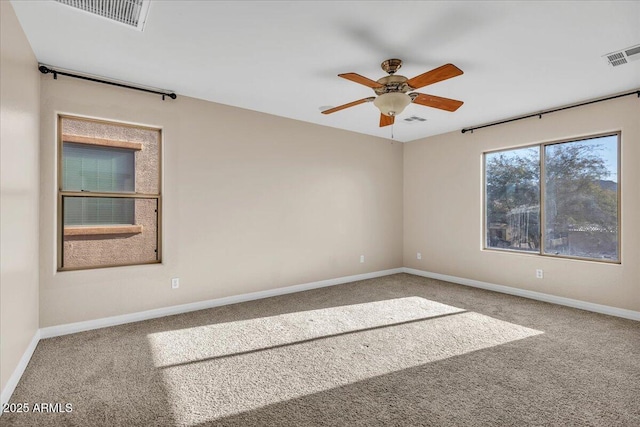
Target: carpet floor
pixel 400 350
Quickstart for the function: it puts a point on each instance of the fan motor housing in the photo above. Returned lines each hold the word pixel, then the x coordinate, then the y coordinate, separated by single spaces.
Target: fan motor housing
pixel 392 83
pixel 390 66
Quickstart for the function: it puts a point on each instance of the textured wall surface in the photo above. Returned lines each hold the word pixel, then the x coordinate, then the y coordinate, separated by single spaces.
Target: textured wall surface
pixel 110 249
pixel 147 159
pixel 113 249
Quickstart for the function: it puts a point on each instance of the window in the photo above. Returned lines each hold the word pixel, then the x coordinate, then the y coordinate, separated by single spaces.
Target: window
pixel 109 194
pixel 513 199
pixel 557 199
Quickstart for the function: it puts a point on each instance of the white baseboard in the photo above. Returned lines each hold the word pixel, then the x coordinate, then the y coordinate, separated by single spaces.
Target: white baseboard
pixel 71 328
pixel 583 305
pixel 8 389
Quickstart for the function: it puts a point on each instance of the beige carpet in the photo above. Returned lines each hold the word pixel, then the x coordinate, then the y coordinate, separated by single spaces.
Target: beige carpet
pixel 400 350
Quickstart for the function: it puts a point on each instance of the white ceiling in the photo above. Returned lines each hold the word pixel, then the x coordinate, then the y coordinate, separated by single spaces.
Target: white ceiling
pixel 283 57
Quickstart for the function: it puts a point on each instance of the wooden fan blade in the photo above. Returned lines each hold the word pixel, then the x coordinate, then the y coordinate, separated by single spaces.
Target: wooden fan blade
pixel 351 104
pixel 360 79
pixel 434 76
pixel 437 102
pixel 386 120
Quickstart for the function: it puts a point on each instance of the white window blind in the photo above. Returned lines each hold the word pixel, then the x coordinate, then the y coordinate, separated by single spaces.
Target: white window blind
pixel 102 169
pixel 98 169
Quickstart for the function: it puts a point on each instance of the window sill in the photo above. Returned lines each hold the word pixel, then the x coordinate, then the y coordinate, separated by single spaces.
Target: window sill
pixel 552 256
pixel 102 230
pixel 79 139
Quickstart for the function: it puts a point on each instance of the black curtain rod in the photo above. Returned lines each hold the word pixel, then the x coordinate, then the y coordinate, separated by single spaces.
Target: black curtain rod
pixel 46 70
pixel 539 115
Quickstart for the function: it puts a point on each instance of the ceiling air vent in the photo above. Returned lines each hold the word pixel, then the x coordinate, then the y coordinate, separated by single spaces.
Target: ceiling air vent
pixel 623 56
pixel 132 13
pixel 414 119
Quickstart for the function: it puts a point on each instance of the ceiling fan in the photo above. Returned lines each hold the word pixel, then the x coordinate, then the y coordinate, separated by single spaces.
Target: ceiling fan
pixel 392 90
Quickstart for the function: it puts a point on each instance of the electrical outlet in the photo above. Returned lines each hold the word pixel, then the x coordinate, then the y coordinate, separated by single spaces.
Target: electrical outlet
pixel 419 255
pixel 175 283
pixel 539 274
pixel 361 258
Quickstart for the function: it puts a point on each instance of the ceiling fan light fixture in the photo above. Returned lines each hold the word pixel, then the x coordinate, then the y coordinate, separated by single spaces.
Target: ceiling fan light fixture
pixel 392 103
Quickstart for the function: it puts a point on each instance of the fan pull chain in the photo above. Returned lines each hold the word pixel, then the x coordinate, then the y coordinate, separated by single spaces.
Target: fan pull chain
pixel 392 130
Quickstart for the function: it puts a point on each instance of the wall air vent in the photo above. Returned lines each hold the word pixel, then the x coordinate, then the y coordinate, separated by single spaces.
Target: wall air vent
pixel 623 56
pixel 132 13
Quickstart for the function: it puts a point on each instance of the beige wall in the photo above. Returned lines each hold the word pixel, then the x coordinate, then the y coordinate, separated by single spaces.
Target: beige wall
pixel 443 207
pixel 19 118
pixel 250 202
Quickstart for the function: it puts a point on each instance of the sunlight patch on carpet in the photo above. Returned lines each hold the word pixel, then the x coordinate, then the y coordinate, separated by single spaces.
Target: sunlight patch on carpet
pixel 226 339
pixel 201 386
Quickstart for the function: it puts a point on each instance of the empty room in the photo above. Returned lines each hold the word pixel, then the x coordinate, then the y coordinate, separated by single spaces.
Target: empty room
pixel 320 213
